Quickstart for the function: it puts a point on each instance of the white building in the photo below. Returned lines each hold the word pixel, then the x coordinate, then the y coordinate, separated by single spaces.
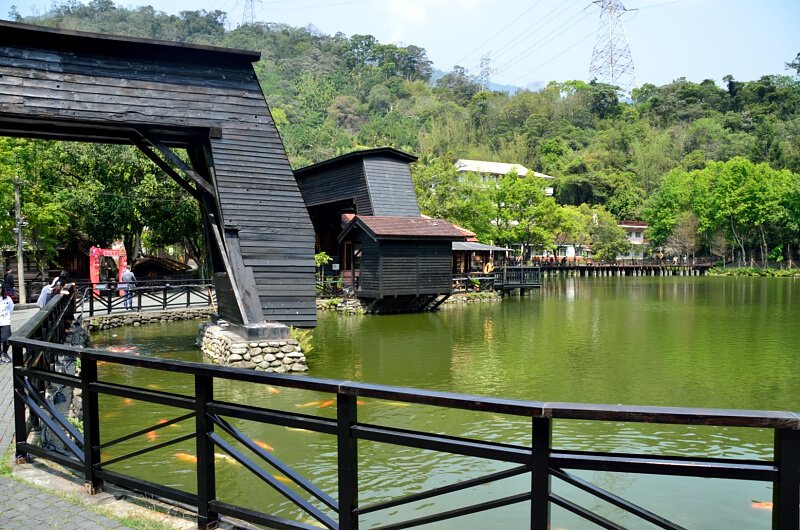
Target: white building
pixel 495 169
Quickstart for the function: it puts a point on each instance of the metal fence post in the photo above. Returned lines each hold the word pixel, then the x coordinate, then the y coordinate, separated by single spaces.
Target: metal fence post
pixel 786 492
pixel 206 476
pixel 164 299
pixel 20 428
pixel 348 461
pixel 540 473
pixel 91 426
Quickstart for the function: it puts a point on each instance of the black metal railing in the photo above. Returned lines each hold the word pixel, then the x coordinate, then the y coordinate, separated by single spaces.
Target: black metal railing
pixel 148 295
pixel 539 461
pixel 517 277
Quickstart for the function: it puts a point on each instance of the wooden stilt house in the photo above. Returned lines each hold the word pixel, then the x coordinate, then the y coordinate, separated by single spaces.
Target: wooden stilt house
pixel 366 217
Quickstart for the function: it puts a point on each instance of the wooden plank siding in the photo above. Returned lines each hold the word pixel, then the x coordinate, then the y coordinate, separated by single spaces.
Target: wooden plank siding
pixel 334 184
pixel 415 267
pixel 66 85
pixel 390 187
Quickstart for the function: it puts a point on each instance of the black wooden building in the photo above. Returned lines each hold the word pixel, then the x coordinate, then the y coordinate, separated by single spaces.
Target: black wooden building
pixel 163 97
pixel 366 217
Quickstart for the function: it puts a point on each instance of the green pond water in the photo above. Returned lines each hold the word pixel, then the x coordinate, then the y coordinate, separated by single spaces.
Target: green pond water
pixel 695 342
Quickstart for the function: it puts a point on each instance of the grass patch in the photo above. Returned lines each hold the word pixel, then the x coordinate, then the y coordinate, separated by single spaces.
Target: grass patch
pixel 5 461
pixel 754 272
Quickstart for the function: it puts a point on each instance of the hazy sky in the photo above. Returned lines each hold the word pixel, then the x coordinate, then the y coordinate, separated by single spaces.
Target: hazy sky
pixel 531 42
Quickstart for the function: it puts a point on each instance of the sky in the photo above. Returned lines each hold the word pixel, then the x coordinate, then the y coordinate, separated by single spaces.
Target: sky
pixel 531 42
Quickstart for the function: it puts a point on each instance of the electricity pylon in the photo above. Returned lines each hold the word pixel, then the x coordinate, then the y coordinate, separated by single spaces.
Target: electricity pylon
pixel 249 12
pixel 611 58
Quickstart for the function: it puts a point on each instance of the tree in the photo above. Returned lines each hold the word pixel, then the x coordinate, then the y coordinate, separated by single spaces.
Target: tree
pixel 608 239
pixel 682 241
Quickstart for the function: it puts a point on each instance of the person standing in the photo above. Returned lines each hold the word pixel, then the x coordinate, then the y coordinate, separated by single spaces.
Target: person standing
pixel 8 281
pixel 6 308
pixel 129 282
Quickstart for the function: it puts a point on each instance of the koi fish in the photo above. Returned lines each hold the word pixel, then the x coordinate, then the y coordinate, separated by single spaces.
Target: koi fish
pixel 162 421
pixel 359 402
pixel 295 429
pixel 397 404
pixel 761 505
pixel 152 436
pixel 128 402
pixel 326 404
pixel 153 386
pixel 272 390
pixel 263 445
pixel 281 478
pixel 310 404
pixel 186 457
pixel 121 349
pixel 226 458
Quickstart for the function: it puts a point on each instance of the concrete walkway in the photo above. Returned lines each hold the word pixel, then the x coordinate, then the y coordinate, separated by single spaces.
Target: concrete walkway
pixel 22 506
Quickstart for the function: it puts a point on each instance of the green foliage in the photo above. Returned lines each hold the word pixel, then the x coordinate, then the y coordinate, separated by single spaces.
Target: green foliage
pixel 303 337
pixel 651 158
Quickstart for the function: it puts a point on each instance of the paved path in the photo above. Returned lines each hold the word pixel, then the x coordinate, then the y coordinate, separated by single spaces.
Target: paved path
pixel 24 507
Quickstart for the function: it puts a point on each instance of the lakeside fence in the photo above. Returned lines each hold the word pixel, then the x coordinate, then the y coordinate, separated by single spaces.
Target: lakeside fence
pixel 146 295
pixel 36 350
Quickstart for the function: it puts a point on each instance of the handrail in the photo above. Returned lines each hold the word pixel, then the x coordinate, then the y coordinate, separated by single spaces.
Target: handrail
pixel 540 459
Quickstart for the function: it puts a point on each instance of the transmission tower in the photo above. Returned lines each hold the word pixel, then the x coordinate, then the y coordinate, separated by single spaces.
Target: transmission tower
pixel 611 58
pixel 486 72
pixel 249 12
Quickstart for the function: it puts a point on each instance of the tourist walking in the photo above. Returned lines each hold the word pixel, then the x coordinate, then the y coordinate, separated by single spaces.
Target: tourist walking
pixel 128 283
pixel 6 308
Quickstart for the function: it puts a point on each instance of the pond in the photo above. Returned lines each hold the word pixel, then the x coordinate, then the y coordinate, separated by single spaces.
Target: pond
pixel 677 341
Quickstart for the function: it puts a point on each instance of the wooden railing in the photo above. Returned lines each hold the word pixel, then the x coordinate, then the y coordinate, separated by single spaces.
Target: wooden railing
pixel 539 461
pixel 148 295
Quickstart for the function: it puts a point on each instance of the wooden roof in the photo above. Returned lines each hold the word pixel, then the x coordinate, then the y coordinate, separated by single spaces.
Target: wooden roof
pixel 20 34
pixel 379 228
pixel 354 155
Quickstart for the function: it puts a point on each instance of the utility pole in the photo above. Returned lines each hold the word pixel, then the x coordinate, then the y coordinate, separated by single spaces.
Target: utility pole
pixel 249 11
pixel 612 62
pixel 18 229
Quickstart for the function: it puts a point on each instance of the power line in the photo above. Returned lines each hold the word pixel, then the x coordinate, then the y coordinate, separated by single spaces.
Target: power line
pixel 501 30
pixel 545 40
pixel 553 58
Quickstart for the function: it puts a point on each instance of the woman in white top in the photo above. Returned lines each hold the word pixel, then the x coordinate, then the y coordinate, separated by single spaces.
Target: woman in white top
pixel 6 308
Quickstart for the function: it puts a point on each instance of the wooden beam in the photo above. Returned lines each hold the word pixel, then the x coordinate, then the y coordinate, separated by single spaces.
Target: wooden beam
pixel 166 168
pixel 180 164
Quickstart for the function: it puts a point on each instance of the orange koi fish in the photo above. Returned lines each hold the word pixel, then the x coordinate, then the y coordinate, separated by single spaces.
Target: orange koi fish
pixel 152 436
pixel 162 421
pixel 761 505
pixel 326 404
pixel 359 402
pixel 264 446
pixel 309 404
pixel 186 457
pixel 128 402
pixel 272 390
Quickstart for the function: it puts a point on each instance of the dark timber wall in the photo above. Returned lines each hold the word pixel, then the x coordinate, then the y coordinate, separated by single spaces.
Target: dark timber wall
pixel 377 180
pixel 74 86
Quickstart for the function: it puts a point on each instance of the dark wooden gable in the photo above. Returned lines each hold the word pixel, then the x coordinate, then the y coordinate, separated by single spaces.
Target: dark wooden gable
pixel 374 181
pixel 61 84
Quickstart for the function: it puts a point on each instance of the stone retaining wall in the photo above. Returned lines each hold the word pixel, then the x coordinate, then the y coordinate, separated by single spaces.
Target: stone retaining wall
pixel 225 347
pixel 132 318
pixel 350 306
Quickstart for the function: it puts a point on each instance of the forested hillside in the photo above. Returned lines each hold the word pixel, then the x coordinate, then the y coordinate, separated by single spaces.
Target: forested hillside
pixel 711 167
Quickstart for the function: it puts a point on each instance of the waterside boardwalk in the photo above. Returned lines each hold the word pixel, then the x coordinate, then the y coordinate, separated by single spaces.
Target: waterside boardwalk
pixel 554 269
